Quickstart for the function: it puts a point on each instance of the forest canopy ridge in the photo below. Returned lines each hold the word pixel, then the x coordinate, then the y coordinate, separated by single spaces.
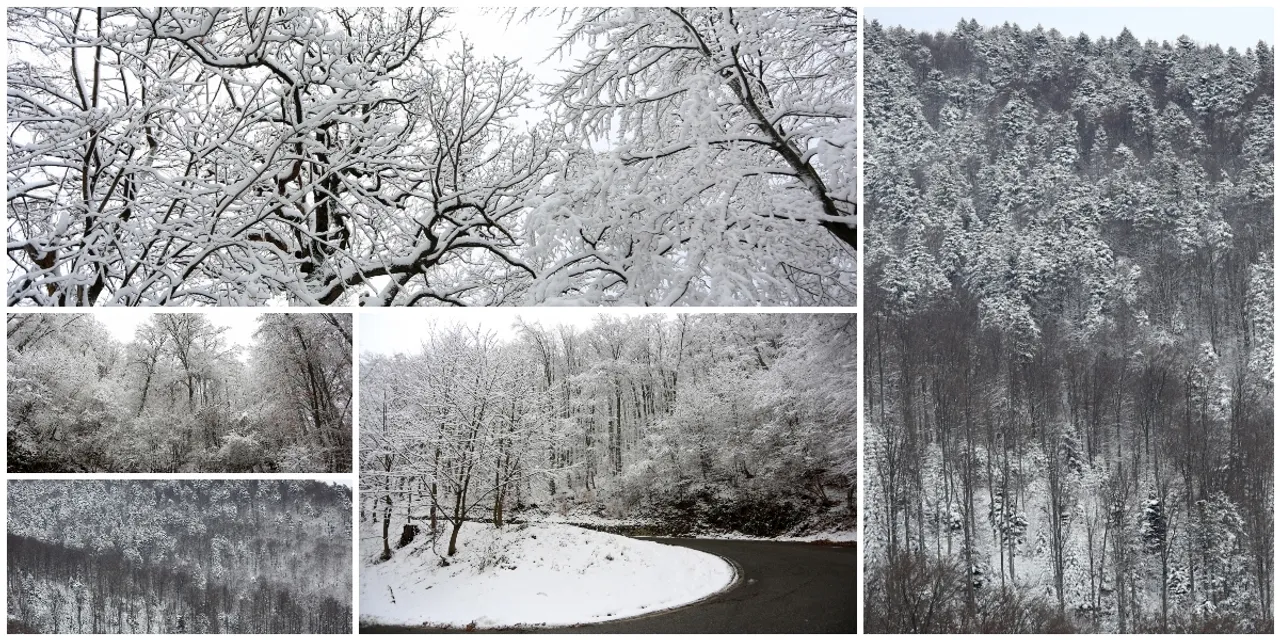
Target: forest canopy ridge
pixel 1099 35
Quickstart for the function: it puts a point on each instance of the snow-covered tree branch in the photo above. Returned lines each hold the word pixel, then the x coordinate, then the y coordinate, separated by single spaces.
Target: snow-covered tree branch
pixel 308 156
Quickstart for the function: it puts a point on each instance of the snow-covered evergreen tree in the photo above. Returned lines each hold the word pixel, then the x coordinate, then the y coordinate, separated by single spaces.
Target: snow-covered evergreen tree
pixel 1069 300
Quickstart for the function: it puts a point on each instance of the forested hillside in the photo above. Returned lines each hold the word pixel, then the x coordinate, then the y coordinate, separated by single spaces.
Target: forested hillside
pixel 179 396
pixel 691 423
pixel 1069 332
pixel 185 556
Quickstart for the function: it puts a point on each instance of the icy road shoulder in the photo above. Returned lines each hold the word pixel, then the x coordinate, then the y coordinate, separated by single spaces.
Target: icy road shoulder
pixel 535 575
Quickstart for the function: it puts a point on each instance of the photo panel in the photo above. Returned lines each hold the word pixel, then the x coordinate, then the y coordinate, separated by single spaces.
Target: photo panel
pixel 131 391
pixel 245 556
pixel 398 156
pixel 628 471
pixel 1068 355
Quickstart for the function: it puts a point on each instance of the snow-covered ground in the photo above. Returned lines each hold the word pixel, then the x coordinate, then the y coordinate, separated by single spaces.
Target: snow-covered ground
pixel 590 520
pixel 826 536
pixel 535 574
pixel 594 521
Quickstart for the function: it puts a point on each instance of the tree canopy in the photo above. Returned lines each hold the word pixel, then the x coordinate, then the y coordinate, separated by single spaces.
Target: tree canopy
pixel 179 556
pixel 363 156
pixel 179 396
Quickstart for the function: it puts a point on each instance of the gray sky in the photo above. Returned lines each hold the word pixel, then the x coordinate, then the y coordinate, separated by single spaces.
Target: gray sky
pixel 1240 27
pixel 528 40
pixel 240 323
pixel 402 330
pixel 532 40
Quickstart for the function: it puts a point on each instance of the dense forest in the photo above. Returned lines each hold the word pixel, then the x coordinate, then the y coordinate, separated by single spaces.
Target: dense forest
pixel 372 156
pixel 1069 333
pixel 690 423
pixel 179 396
pixel 184 556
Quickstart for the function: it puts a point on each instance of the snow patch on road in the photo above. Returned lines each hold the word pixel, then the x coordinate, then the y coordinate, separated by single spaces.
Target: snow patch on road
pixel 535 575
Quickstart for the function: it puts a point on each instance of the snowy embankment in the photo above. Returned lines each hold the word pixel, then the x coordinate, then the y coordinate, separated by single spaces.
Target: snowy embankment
pixel 589 520
pixel 535 575
pixel 826 536
pixel 837 536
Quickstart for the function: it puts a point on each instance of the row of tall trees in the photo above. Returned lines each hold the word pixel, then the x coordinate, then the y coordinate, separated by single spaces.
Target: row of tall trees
pixel 205 556
pixel 340 156
pixel 729 422
pixel 1069 341
pixel 179 396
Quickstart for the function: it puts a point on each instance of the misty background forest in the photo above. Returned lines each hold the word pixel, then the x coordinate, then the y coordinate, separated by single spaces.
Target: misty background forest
pixel 676 424
pixel 179 556
pixel 320 156
pixel 1069 333
pixel 179 396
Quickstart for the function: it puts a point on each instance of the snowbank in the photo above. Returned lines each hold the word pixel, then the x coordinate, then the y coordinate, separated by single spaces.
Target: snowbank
pixel 536 574
pixel 589 520
pixel 826 536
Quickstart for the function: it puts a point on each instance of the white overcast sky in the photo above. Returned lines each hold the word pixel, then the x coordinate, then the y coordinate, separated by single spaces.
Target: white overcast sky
pixel 402 330
pixel 531 41
pixel 240 323
pixel 1239 27
pixel 518 35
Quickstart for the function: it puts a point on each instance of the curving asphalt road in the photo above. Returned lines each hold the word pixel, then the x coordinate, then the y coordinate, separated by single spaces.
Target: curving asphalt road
pixel 784 587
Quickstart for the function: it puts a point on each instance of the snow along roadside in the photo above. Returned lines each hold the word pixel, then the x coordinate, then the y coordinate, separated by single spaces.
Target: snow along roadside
pixel 823 537
pixel 537 575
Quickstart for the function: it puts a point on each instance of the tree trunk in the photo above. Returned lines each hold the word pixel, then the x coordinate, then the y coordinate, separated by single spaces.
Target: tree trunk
pixel 497 499
pixel 386 526
pixel 453 537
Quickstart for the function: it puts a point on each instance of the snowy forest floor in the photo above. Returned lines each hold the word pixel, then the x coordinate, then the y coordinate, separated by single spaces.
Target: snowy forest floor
pixel 530 574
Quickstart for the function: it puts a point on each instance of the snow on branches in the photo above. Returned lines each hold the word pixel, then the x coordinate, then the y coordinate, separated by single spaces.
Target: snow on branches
pixel 317 157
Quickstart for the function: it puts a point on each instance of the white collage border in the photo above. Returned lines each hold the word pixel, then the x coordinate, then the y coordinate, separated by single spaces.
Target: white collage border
pixel 357 312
